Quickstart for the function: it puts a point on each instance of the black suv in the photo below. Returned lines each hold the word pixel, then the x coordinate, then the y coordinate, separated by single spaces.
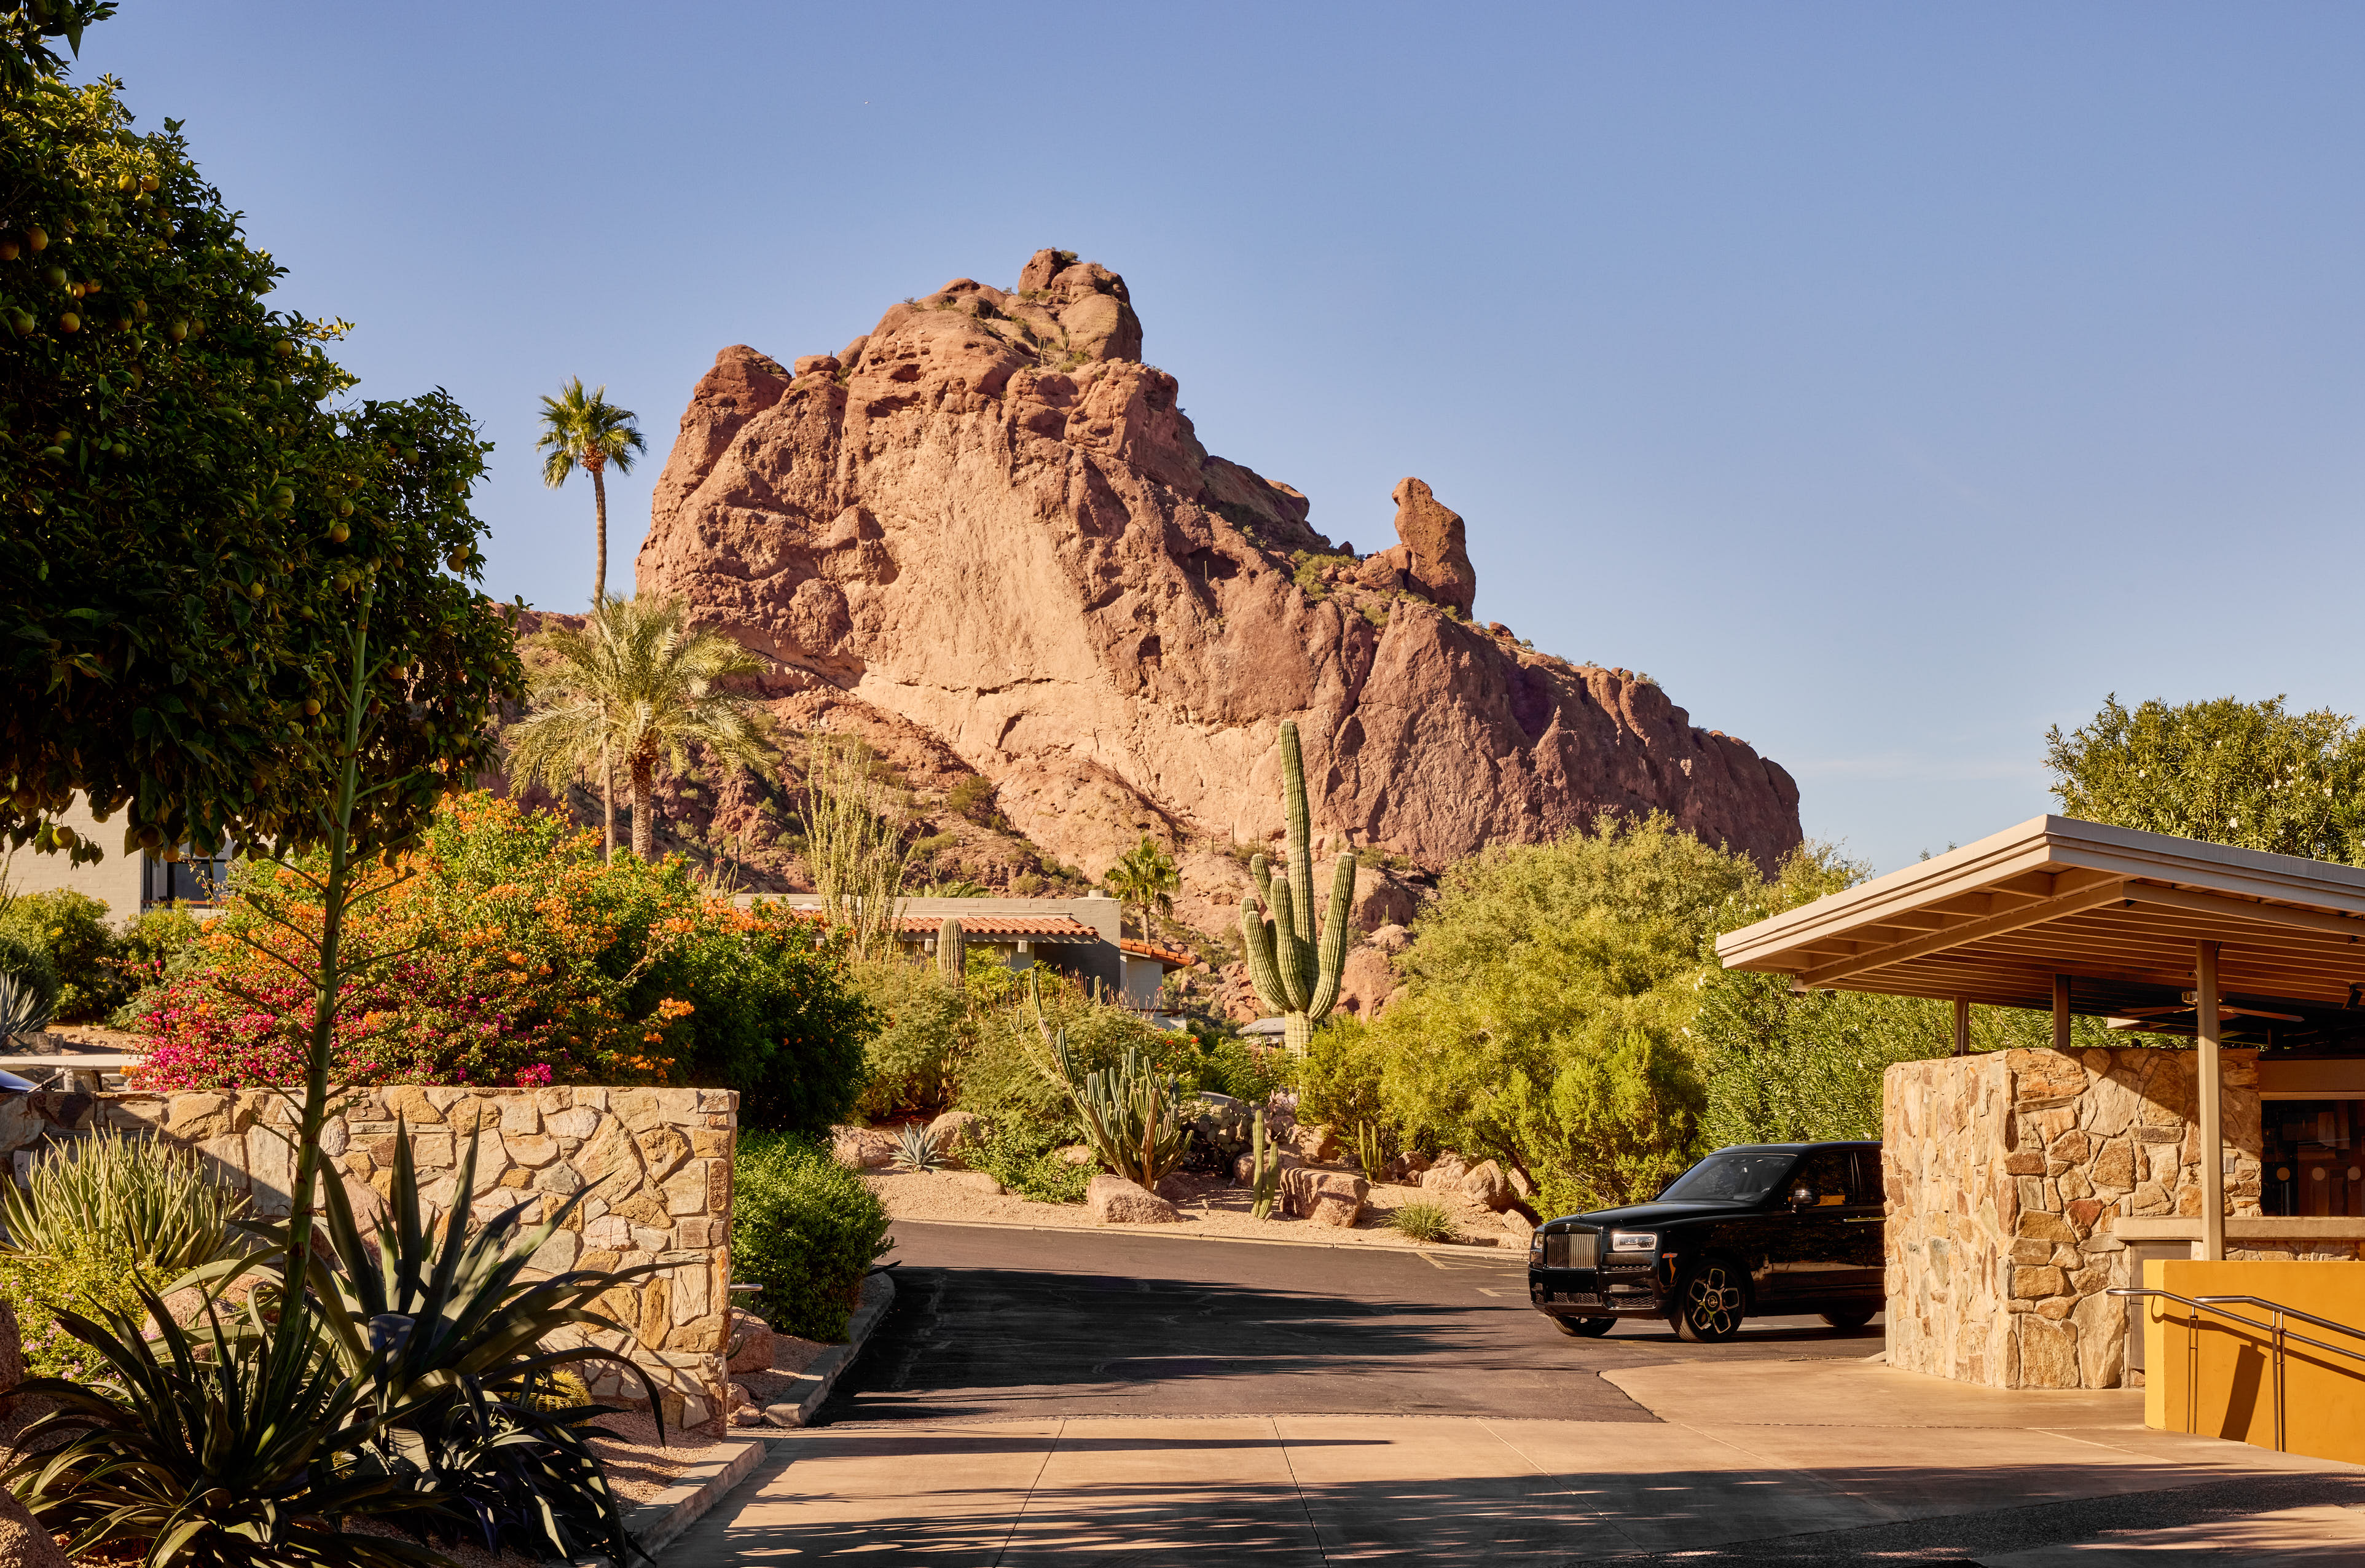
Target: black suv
pixel 1770 1227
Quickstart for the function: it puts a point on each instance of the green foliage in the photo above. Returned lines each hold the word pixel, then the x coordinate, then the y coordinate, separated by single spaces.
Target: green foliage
pixel 161 946
pixel 806 1229
pixel 1339 1084
pixel 71 928
pixel 916 1149
pixel 1296 970
pixel 1782 1068
pixel 1547 992
pixel 639 682
pixel 1424 1221
pixel 234 1446
pixel 2230 772
pixel 908 1065
pixel 23 1009
pixel 147 1205
pixel 1001 1079
pixel 1023 1157
pixel 1144 880
pixel 196 507
pixel 1131 1113
pixel 1264 1170
pixel 973 797
pixel 27 962
pixel 1310 569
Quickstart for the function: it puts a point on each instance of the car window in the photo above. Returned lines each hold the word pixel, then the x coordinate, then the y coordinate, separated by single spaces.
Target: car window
pixel 1867 1189
pixel 1735 1176
pixel 1825 1175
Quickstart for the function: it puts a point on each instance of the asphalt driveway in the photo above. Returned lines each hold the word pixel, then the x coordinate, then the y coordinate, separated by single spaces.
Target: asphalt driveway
pixel 996 1324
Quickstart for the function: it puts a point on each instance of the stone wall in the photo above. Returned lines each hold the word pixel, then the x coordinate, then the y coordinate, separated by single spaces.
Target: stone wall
pixel 659 1162
pixel 2007 1173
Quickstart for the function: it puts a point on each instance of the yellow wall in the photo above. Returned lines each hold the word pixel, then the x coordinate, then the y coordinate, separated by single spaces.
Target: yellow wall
pixel 2217 1378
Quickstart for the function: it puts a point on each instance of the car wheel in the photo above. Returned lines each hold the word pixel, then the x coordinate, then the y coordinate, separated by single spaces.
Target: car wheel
pixel 1853 1318
pixel 1585 1327
pixel 1709 1306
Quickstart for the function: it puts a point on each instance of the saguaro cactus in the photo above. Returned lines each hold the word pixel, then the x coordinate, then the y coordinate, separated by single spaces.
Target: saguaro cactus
pixel 952 950
pixel 1295 971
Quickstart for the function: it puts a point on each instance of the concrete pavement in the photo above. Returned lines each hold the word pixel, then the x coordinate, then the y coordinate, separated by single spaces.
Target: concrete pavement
pixel 1627 1448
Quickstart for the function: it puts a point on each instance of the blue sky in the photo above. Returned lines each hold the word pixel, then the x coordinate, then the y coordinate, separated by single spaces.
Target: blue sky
pixel 1889 382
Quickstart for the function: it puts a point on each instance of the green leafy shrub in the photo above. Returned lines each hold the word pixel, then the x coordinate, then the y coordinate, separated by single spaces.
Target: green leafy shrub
pixel 806 1229
pixel 161 946
pixel 28 963
pixel 100 1218
pixel 1339 1083
pixel 908 1065
pixel 71 928
pixel 973 797
pixel 1023 1157
pixel 1424 1221
pixel 1001 1080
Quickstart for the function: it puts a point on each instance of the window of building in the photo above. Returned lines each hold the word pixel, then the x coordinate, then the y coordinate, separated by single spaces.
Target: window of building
pixel 2313 1164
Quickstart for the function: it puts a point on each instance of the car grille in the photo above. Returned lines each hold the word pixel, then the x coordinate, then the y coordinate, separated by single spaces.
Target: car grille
pixel 1571 1249
pixel 1575 1298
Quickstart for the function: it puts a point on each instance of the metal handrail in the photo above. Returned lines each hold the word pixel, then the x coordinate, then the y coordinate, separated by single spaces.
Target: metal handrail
pixel 2279 1336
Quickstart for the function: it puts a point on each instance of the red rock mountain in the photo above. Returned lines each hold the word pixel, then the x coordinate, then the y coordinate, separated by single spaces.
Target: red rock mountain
pixel 988 519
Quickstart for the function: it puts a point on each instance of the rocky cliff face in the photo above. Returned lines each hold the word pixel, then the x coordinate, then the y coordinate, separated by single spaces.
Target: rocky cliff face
pixel 988 518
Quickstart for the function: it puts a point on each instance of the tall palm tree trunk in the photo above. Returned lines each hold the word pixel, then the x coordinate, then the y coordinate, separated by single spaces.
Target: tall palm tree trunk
pixel 600 506
pixel 607 800
pixel 644 825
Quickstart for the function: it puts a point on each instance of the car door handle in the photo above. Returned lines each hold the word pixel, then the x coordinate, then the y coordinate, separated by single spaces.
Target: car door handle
pixel 1871 1219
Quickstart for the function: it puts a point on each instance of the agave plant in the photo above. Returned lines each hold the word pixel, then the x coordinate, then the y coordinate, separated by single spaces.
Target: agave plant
pixel 409 1382
pixel 439 1321
pixel 23 1008
pixel 130 1198
pixel 916 1148
pixel 230 1448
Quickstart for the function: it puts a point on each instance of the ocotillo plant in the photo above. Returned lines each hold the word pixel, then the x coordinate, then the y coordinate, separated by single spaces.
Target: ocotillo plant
pixel 1295 972
pixel 952 951
pixel 1264 1168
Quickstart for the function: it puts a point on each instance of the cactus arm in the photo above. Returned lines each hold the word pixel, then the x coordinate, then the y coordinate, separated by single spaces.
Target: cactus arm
pixel 1301 829
pixel 1291 956
pixel 1261 875
pixel 1333 960
pixel 1257 940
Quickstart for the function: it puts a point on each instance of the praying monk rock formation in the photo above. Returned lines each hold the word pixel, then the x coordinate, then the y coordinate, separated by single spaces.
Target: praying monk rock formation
pixel 987 518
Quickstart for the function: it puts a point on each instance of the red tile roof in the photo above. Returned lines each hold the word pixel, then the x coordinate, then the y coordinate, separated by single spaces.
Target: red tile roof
pixel 1167 955
pixel 1032 927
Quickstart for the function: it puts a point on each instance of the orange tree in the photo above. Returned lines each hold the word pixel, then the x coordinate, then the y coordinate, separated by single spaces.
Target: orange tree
pixel 190 519
pixel 507 950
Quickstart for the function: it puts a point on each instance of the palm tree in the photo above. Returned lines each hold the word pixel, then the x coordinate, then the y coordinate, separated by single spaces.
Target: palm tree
pixel 1144 877
pixel 583 429
pixel 638 677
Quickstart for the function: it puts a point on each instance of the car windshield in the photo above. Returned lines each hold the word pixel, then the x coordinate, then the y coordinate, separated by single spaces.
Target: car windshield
pixel 1736 1176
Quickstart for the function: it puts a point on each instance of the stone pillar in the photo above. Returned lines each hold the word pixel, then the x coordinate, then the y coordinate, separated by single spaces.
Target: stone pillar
pixel 2006 1173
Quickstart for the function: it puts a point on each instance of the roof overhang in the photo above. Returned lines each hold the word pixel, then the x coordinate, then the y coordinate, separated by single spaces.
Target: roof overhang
pixel 2118 911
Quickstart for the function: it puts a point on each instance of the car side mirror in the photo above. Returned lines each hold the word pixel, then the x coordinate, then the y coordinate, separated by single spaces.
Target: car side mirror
pixel 1802 1197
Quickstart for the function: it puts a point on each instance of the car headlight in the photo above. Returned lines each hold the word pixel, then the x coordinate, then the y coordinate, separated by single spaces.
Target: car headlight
pixel 1536 1242
pixel 1633 1241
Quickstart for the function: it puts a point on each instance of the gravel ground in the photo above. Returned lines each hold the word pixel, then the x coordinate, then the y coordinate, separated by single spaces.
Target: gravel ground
pixel 1210 1206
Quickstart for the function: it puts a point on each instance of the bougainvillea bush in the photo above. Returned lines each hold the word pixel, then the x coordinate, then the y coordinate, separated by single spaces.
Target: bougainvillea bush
pixel 509 954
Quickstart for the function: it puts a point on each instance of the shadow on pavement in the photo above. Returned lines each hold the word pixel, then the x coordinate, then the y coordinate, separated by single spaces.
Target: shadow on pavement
pixel 1012 1497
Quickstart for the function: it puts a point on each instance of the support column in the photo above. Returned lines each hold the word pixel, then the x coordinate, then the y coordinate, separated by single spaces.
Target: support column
pixel 2060 1013
pixel 2212 1107
pixel 1962 1025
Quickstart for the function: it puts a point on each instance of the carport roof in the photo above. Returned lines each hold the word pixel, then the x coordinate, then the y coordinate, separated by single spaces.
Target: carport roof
pixel 2116 911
